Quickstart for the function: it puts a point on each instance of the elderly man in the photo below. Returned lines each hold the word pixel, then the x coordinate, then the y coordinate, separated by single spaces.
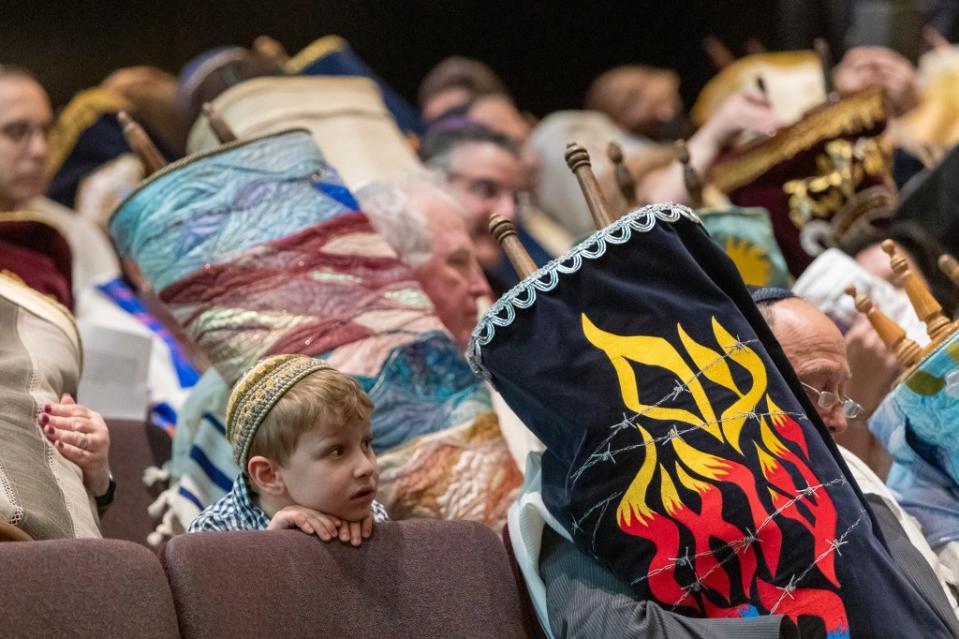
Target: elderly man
pixel 426 227
pixel 583 599
pixel 25 120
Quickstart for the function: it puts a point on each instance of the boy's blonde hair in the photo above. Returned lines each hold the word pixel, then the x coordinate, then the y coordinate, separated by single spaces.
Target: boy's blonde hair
pixel 284 396
pixel 325 398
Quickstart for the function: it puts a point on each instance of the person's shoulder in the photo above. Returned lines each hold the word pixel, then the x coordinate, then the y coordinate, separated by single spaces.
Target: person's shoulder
pixel 218 516
pixel 227 513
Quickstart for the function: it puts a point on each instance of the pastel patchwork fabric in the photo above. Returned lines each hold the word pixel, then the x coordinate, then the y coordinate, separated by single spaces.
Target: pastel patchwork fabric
pixel 41 491
pixel 258 249
pixel 677 454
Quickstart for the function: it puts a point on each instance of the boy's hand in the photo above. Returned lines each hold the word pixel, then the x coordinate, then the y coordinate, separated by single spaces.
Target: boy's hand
pixel 81 436
pixel 309 521
pixel 354 532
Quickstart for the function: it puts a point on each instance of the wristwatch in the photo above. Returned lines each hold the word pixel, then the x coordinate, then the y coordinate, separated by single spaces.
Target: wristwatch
pixel 106 498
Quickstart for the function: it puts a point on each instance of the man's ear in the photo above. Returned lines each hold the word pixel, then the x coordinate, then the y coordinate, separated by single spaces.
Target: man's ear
pixel 264 476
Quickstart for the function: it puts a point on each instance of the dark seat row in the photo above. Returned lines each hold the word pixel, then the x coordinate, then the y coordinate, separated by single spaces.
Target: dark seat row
pixel 411 579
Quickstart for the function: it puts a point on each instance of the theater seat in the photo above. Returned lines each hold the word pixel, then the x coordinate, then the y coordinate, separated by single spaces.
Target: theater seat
pixel 83 588
pixel 420 578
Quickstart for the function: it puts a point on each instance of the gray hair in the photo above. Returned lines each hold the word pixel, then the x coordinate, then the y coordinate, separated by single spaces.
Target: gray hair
pixel 396 214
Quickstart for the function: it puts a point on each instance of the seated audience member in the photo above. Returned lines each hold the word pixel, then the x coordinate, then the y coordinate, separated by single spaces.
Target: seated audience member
pixel 25 120
pixel 301 434
pixel 583 599
pixel 642 100
pixel 424 225
pixel 426 228
pixel 483 172
pixel 454 82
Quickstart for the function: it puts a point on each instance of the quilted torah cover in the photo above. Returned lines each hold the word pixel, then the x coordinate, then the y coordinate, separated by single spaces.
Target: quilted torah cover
pixel 258 248
pixel 926 402
pixel 677 453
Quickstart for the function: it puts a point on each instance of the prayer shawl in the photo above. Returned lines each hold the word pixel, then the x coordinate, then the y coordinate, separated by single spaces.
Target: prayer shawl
pixel 677 453
pixel 258 249
pixel 41 491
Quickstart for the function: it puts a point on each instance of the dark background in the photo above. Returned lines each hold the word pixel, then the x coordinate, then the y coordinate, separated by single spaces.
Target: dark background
pixel 546 51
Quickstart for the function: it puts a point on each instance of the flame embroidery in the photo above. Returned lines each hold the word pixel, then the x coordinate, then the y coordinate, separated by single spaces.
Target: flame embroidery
pixel 749 473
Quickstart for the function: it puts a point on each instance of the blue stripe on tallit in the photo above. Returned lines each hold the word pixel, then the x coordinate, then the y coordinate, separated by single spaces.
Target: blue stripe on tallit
pixel 163 415
pixel 190 497
pixel 215 423
pixel 215 474
pixel 124 297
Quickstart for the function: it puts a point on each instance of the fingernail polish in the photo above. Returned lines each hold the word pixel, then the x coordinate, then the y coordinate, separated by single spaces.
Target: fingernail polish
pixel 47 408
pixel 44 418
pixel 49 430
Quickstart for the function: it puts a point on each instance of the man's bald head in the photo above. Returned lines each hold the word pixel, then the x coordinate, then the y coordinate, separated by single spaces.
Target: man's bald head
pixel 25 120
pixel 816 350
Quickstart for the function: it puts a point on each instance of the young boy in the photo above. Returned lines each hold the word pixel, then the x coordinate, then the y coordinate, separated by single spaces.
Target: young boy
pixel 300 431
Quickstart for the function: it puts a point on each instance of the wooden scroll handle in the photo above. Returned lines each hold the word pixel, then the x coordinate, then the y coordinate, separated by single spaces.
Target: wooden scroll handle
pixel 624 178
pixel 825 64
pixel 927 308
pixel 907 352
pixel 694 185
pixel 221 129
pixel 717 52
pixel 504 232
pixel 141 144
pixel 577 158
pixel 950 266
pixel 269 48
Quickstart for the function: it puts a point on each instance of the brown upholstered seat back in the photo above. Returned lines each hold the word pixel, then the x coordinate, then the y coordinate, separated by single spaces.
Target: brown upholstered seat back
pixel 421 578
pixel 82 588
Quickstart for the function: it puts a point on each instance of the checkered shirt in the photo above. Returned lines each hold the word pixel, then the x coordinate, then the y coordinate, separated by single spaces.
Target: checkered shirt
pixel 236 511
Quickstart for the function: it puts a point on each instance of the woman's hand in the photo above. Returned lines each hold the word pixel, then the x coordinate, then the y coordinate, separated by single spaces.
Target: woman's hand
pixel 81 436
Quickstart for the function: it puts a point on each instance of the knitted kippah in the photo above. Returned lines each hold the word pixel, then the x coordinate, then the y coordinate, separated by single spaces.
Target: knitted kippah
pixel 257 392
pixel 769 294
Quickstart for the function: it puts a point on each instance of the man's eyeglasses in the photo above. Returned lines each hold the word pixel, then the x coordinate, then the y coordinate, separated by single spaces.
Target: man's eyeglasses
pixel 489 189
pixel 828 400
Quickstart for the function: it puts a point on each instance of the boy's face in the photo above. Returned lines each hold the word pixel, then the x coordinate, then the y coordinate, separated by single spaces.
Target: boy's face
pixel 333 470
